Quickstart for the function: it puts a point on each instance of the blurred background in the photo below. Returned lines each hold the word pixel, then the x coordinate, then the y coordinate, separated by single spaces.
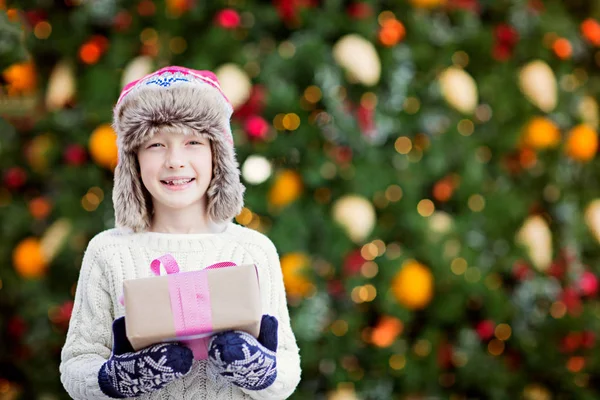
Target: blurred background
pixel 426 168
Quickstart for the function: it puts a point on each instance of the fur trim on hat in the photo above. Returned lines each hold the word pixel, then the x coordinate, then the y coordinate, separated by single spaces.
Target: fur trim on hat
pixel 198 107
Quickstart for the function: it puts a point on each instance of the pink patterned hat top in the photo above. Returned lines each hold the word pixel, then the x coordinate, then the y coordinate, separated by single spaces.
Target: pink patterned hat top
pixel 168 76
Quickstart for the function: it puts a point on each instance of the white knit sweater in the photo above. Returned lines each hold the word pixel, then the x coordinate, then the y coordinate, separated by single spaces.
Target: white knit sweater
pixel 115 255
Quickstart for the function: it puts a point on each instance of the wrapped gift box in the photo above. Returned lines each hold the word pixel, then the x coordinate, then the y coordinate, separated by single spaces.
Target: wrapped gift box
pixel 191 306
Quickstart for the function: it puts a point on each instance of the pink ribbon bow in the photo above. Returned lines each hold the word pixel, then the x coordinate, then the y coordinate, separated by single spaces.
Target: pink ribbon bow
pixel 190 303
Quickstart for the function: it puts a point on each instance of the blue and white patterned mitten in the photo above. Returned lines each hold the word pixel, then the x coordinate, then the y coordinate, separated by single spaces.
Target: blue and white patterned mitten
pixel 129 373
pixel 242 359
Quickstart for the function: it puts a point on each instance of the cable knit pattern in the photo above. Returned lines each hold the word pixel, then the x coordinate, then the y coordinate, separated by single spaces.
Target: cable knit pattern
pixel 115 255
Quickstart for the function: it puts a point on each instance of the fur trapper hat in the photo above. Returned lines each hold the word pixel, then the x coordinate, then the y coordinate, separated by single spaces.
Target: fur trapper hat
pixel 180 98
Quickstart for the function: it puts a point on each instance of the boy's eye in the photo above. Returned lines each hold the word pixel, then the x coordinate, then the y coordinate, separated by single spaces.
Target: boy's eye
pixel 195 141
pixel 154 144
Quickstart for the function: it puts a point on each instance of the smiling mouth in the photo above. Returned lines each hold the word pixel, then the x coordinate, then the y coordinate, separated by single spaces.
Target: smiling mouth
pixel 180 182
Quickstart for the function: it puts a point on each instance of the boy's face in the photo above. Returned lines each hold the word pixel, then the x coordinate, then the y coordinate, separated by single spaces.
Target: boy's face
pixel 167 156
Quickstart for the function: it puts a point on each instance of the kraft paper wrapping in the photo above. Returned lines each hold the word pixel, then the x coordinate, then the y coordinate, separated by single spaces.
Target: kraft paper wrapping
pixel 235 304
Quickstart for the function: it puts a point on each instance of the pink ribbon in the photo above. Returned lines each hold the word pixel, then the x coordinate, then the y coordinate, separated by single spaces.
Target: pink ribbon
pixel 190 302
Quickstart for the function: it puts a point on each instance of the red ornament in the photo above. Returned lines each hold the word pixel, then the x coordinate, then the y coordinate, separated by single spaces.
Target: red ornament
pixel 254 105
pixel 571 342
pixel 342 154
pixel 289 9
pixel 588 339
pixel 468 5
pixel 15 177
pixel 228 18
pixel 506 39
pixel 16 327
pixel 62 315
pixel 335 288
pixel 522 271
pixel 572 301
pixel 366 120
pixel 485 329
pixel 444 355
pixel 588 284
pixel 75 155
pixel 256 127
pixel 359 10
pixel 353 263
pixel 122 21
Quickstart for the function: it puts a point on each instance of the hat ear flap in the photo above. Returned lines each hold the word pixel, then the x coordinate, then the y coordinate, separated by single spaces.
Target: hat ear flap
pixel 129 200
pixel 225 192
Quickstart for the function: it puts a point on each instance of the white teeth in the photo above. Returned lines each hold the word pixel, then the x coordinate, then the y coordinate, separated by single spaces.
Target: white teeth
pixel 179 181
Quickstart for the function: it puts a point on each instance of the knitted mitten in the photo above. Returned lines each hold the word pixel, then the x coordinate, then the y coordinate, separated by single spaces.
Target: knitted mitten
pixel 129 373
pixel 242 359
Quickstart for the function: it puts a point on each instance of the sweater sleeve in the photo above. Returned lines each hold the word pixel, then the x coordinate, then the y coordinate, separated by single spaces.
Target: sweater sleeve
pixel 288 353
pixel 88 342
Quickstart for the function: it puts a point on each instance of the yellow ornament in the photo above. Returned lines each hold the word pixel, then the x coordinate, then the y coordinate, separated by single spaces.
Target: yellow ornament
pixel 288 187
pixel 293 268
pixel 62 86
pixel 29 260
pixel 459 89
pixel 535 391
pixel 538 84
pixel 413 285
pixel 541 133
pixel 103 146
pixel 582 143
pixel 427 3
pixel 359 58
pixel 592 218
pixel 536 237
pixel 356 215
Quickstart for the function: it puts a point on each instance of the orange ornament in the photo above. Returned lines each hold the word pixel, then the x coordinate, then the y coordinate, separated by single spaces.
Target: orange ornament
pixel 582 143
pixel 288 187
pixel 443 189
pixel 40 207
pixel 103 146
pixel 541 133
pixel 428 3
pixel 29 260
pixel 562 48
pixel 413 285
pixel 386 331
pixel 293 268
pixel 590 29
pixel 392 31
pixel 21 78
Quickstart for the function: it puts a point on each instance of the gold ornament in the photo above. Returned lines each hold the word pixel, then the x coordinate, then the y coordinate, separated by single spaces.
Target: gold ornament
pixel 29 260
pixel 137 69
pixel 54 238
pixel 582 143
pixel 103 146
pixel 287 188
pixel 592 218
pixel 535 391
pixel 294 267
pixel 356 215
pixel 536 237
pixel 588 111
pixel 413 285
pixel 538 84
pixel 541 133
pixel 61 86
pixel 36 152
pixel 344 391
pixel 459 89
pixel 235 83
pixel 359 58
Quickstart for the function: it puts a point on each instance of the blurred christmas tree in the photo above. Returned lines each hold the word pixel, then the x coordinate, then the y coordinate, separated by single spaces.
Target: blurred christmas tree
pixel 426 168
